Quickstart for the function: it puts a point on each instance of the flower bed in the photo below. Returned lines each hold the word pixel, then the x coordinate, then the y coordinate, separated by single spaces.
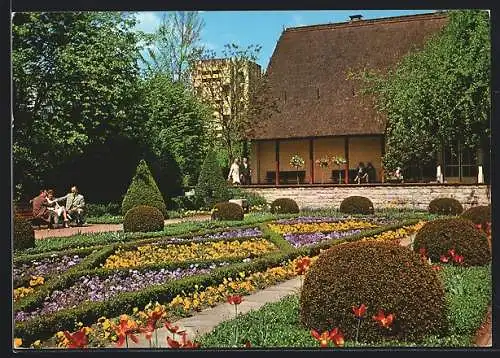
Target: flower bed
pixel 229 234
pixel 44 267
pixel 96 288
pixel 151 254
pixel 321 226
pixel 298 240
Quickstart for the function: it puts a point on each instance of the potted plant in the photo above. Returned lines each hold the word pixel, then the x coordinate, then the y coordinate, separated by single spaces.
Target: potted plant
pixel 339 161
pixel 323 163
pixel 297 162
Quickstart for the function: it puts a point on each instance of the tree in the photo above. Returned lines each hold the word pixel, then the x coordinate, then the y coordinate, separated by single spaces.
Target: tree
pixel 175 123
pixel 230 91
pixel 75 78
pixel 175 45
pixel 211 187
pixel 437 95
pixel 143 190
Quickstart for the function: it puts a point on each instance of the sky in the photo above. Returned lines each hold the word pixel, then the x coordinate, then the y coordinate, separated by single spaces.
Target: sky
pixel 261 27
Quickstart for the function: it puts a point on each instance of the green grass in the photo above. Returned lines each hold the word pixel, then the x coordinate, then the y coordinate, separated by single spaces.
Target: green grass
pixel 105 219
pixel 276 325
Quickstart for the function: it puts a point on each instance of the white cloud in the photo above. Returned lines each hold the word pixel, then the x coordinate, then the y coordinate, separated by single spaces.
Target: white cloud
pixel 148 21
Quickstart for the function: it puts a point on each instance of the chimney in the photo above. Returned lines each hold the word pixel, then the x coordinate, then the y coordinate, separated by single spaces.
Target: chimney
pixel 356 17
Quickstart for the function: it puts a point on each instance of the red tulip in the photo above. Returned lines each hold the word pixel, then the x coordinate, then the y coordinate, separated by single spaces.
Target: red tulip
pixel 125 329
pixel 359 312
pixel 451 252
pixel 184 343
pixel 302 265
pixel 234 299
pixel 337 337
pixel 436 267
pixel 322 338
pixel 383 320
pixel 173 329
pixel 443 258
pixel 78 339
pixel 459 259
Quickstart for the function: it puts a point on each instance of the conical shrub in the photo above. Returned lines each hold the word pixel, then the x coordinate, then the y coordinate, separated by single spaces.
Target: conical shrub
pixel 211 187
pixel 143 190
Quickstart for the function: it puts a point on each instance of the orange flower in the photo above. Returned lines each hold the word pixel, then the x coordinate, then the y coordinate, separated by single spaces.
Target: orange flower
pixel 337 337
pixel 436 267
pixel 302 265
pixel 78 339
pixel 359 312
pixel 126 328
pixel 322 338
pixel 184 343
pixel 173 329
pixel 234 299
pixel 383 320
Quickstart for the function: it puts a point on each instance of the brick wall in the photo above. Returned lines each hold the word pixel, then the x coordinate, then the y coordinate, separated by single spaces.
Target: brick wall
pixel 415 196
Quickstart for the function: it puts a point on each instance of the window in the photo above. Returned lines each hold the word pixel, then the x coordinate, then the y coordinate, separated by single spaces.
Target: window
pixel 459 161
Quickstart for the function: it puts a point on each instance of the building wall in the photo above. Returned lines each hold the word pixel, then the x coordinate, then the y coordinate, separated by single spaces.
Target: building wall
pixel 416 196
pixel 266 159
pixel 366 149
pixel 328 147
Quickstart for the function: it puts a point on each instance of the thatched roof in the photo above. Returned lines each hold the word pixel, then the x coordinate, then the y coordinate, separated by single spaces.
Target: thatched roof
pixel 307 75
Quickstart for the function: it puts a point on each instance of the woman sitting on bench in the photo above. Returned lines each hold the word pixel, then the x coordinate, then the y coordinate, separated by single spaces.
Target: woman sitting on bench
pixel 56 208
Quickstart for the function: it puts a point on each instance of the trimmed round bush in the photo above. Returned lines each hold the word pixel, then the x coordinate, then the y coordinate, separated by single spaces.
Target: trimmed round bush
pixel 380 275
pixel 284 206
pixel 143 218
pixel 440 236
pixel 227 211
pixel 143 190
pixel 356 205
pixel 478 214
pixel 445 206
pixel 24 235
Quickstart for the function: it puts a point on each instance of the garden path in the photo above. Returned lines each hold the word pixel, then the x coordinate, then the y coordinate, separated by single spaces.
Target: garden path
pixel 206 320
pixel 94 228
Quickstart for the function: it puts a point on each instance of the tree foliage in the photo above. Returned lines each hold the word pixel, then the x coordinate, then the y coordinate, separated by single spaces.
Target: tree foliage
pixel 143 190
pixel 231 95
pixel 75 82
pixel 436 95
pixel 211 187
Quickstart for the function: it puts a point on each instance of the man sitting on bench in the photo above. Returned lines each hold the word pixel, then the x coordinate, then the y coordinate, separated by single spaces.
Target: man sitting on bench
pixel 40 209
pixel 75 205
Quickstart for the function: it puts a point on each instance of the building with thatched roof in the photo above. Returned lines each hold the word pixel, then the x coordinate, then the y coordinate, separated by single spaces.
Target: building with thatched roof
pixel 319 110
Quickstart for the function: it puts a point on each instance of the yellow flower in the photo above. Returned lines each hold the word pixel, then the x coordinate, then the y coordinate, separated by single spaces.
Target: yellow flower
pixel 37 343
pixel 18 342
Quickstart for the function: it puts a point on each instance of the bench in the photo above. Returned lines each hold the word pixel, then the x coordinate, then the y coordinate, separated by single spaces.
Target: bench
pixel 286 177
pixel 335 175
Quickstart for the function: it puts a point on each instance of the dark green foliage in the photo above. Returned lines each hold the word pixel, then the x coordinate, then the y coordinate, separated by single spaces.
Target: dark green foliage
pixel 211 187
pixel 143 191
pixel 479 215
pixel 382 276
pixel 184 203
pixel 439 236
pixel 103 209
pixel 24 235
pixel 143 218
pixel 445 206
pixel 227 211
pixel 356 205
pixel 253 199
pixel 284 206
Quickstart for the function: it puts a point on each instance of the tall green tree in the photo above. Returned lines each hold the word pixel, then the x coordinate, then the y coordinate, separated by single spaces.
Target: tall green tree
pixel 176 123
pixel 437 95
pixel 75 78
pixel 175 45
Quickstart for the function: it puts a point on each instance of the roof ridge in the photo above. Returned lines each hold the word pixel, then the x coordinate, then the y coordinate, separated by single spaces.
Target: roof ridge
pixel 392 19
